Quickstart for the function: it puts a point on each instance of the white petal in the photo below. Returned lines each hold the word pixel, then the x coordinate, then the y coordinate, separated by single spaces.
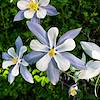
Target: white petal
pixel 84 74
pixel 42 64
pixel 93 69
pixel 10 77
pixel 68 45
pixel 83 57
pixel 44 2
pixel 5 64
pixel 52 36
pixel 34 0
pixel 29 14
pixel 63 64
pixel 11 52
pixel 91 49
pixel 41 13
pixel 37 46
pixel 15 70
pixel 96 54
pixel 24 63
pixel 22 4
pixel 22 50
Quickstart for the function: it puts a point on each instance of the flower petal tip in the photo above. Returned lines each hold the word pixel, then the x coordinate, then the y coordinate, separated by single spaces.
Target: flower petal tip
pixel 53 83
pixel 31 81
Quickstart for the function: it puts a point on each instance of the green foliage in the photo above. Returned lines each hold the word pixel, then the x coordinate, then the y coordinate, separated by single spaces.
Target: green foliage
pixel 40 77
pixel 72 14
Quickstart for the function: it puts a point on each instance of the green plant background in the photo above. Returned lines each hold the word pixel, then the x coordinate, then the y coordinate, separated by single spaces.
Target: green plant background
pixel 72 14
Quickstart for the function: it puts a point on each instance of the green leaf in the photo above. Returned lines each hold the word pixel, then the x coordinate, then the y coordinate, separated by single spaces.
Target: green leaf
pixel 35 71
pixel 37 78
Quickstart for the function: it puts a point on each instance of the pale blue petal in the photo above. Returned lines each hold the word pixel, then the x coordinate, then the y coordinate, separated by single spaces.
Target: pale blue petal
pixel 53 73
pixel 33 57
pixel 70 34
pixel 38 31
pixel 19 16
pixel 6 56
pixel 18 43
pixel 51 10
pixel 10 76
pixel 26 74
pixel 35 19
pixel 29 0
pixel 76 62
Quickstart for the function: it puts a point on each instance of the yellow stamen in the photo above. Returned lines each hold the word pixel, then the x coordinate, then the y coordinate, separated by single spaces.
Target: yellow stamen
pixel 52 53
pixel 73 92
pixel 14 60
pixel 33 6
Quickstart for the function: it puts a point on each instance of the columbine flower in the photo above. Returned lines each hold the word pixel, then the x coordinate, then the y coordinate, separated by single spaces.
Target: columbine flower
pixel 34 9
pixel 53 51
pixel 49 55
pixel 73 90
pixel 16 60
pixel 92 67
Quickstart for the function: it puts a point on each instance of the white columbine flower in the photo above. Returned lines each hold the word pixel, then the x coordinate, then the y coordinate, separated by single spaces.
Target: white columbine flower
pixel 34 9
pixel 92 67
pixel 53 51
pixel 50 54
pixel 16 60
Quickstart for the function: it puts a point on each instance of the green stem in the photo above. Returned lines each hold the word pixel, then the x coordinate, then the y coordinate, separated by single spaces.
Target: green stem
pixel 96 86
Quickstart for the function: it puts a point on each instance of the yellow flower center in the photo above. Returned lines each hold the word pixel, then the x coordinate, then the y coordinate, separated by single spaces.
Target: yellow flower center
pixel 33 6
pixel 73 92
pixel 52 52
pixel 14 60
